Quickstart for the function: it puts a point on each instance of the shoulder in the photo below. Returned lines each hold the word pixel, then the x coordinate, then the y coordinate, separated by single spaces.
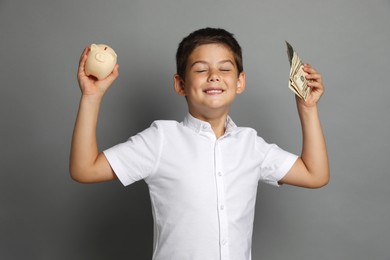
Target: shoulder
pixel 165 127
pixel 165 124
pixel 155 130
pixel 251 138
pixel 244 135
pixel 244 132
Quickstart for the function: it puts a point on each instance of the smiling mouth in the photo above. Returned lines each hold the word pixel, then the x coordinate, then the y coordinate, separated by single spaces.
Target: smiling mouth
pixel 213 91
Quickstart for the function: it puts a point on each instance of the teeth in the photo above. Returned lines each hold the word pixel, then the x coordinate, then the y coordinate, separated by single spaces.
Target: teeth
pixel 214 91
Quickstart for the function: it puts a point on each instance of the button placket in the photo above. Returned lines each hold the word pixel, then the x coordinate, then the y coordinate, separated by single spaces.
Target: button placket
pixel 222 213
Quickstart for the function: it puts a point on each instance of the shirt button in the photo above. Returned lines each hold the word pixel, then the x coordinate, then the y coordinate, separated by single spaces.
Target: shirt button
pixel 204 127
pixel 222 207
pixel 224 242
pixel 219 173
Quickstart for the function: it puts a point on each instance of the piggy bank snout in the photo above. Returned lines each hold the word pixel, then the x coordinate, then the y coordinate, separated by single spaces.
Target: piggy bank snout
pixel 101 57
pixel 104 57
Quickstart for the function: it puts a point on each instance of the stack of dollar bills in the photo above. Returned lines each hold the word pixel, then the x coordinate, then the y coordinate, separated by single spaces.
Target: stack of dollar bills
pixel 297 82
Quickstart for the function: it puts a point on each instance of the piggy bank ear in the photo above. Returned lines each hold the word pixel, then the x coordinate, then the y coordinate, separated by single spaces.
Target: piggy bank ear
pixel 94 47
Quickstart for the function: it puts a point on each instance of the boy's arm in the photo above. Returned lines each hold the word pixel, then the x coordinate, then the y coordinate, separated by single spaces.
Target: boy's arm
pixel 311 170
pixel 86 164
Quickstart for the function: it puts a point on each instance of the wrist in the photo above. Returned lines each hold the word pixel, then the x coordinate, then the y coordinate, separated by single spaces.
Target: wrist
pixel 309 119
pixel 307 107
pixel 307 112
pixel 92 99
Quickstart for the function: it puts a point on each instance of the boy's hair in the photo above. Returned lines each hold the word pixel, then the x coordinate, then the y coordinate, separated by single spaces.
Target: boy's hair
pixel 206 36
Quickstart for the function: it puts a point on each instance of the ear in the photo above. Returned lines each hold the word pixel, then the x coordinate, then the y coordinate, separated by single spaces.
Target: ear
pixel 94 47
pixel 179 85
pixel 241 83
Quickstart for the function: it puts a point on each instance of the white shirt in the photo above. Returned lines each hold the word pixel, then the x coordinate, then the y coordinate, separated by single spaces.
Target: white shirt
pixel 202 189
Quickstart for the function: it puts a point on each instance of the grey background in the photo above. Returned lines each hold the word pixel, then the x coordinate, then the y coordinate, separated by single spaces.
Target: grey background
pixel 46 215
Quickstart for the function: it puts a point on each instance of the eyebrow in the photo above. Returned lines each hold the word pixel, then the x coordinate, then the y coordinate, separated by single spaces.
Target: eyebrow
pixel 204 62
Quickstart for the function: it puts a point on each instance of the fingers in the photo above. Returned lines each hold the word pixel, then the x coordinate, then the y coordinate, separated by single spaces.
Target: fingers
pixel 83 56
pixel 312 75
pixel 83 59
pixel 315 81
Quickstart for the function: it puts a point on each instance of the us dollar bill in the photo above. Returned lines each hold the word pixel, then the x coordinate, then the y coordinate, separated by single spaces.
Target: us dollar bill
pixel 297 80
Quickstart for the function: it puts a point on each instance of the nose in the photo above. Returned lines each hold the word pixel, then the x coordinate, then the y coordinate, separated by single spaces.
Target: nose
pixel 214 76
pixel 100 57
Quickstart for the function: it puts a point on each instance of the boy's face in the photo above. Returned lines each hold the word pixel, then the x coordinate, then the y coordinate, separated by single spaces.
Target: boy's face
pixel 211 81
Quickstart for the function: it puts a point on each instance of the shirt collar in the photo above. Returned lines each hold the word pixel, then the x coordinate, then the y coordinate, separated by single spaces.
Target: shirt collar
pixel 201 126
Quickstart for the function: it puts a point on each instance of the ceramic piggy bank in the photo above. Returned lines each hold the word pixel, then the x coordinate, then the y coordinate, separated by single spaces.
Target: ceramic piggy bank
pixel 101 61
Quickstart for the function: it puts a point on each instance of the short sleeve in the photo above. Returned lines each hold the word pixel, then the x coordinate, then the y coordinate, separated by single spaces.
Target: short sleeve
pixel 137 158
pixel 276 162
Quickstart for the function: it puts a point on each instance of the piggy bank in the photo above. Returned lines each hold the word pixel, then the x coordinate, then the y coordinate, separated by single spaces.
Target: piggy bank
pixel 101 61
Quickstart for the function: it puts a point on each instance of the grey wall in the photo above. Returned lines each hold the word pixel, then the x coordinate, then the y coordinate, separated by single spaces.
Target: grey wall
pixel 45 215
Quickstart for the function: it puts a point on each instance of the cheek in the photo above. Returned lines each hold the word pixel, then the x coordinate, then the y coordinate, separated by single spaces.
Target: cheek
pixel 231 81
pixel 194 82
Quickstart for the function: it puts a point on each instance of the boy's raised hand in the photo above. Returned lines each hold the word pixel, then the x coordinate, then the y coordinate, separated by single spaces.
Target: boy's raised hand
pixel 311 170
pixel 90 85
pixel 87 165
pixel 316 85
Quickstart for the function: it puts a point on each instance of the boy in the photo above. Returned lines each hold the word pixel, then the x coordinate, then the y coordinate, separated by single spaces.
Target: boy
pixel 202 173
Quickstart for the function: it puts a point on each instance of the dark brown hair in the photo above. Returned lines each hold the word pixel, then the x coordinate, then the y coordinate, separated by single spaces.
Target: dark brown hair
pixel 206 36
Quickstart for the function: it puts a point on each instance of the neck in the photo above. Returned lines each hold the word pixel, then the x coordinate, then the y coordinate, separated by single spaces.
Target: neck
pixel 217 122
